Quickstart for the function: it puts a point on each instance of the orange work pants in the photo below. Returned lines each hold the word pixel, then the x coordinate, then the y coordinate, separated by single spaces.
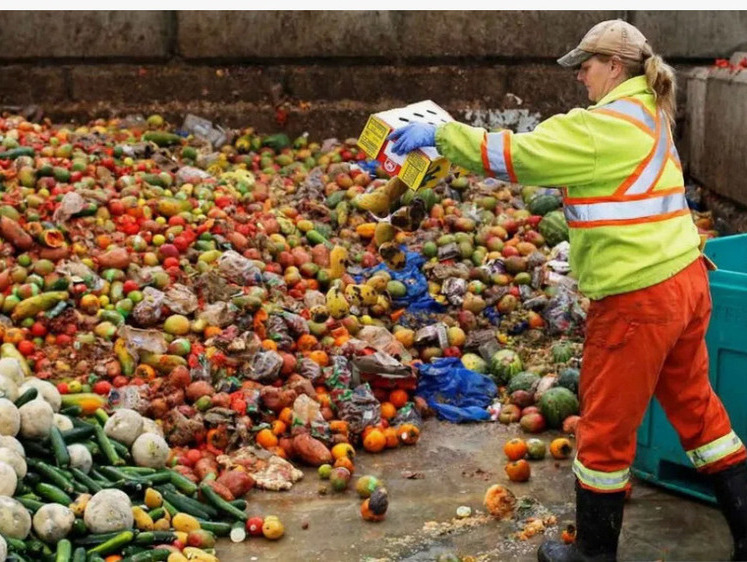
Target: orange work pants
pixel 645 343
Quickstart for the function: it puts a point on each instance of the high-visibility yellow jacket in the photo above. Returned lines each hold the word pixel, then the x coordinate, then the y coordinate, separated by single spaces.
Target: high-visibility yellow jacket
pixel 623 190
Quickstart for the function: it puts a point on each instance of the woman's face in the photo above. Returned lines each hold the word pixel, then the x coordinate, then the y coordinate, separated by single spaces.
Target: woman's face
pixel 599 77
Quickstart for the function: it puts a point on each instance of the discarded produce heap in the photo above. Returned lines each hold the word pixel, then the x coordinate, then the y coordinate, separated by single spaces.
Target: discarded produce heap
pixel 235 294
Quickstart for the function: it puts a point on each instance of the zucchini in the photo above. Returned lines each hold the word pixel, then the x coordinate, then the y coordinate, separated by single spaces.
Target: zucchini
pixel 218 528
pixel 79 555
pixel 52 493
pixel 59 448
pixel 14 153
pixel 86 480
pixel 48 473
pixel 213 497
pixel 184 484
pixel 113 545
pixel 181 503
pixel 26 397
pixel 152 537
pixel 64 551
pixel 149 555
pixel 78 433
pixel 106 446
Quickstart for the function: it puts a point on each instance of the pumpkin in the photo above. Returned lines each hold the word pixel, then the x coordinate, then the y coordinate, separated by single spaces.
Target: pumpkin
pixel 557 404
pixel 504 365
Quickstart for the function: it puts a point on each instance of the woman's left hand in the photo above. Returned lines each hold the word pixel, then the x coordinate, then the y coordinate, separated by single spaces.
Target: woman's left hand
pixel 412 136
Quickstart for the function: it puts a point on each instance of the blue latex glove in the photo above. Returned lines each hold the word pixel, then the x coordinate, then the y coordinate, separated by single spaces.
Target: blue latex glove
pixel 412 136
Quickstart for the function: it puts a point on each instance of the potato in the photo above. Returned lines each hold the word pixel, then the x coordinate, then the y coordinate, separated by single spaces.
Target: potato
pixel 125 426
pixel 52 522
pixel 80 457
pixel 12 443
pixel 47 391
pixel 37 418
pixel 8 480
pixel 15 460
pixel 150 450
pixel 15 521
pixel 8 388
pixel 108 511
pixel 63 423
pixel 10 418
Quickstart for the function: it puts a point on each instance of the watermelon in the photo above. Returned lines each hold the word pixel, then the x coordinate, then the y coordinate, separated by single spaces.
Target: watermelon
pixel 528 192
pixel 504 365
pixel 542 203
pixel 562 352
pixel 554 228
pixel 569 379
pixel 474 363
pixel 557 404
pixel 523 381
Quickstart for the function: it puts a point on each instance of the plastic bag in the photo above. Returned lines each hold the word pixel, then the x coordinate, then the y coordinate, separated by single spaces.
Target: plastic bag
pixel 219 314
pixel 309 369
pixel 266 367
pixel 306 410
pixel 190 174
pixel 148 311
pixel 417 297
pixel 359 408
pixel 71 204
pixel 150 341
pixel 454 392
pixel 564 312
pixel 383 340
pixel 180 299
pixel 238 269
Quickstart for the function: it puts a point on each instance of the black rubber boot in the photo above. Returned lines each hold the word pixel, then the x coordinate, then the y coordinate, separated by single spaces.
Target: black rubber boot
pixel 598 523
pixel 730 486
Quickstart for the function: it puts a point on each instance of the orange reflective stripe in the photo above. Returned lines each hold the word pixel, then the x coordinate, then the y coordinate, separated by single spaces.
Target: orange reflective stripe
pixel 485 158
pixel 631 120
pixel 507 156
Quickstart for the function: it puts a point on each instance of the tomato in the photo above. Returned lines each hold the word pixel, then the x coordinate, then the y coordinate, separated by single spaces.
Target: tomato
pixel 102 387
pixel 26 347
pixel 38 330
pixel 120 381
pixel 63 388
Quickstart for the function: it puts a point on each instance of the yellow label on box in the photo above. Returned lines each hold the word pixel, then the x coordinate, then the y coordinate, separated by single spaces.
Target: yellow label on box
pixel 414 168
pixel 373 136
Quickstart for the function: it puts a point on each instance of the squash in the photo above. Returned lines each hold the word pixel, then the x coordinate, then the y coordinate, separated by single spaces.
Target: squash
pixel 52 522
pixel 557 404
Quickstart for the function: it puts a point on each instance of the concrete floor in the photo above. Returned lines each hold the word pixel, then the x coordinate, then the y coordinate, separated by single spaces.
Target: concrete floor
pixel 455 465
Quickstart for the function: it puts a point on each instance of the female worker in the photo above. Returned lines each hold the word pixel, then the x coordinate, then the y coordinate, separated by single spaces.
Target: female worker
pixel 635 252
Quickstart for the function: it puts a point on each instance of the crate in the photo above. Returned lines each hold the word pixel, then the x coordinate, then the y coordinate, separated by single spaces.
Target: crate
pixel 660 458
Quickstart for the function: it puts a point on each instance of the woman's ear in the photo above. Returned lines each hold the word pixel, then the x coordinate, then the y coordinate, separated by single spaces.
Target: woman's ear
pixel 617 67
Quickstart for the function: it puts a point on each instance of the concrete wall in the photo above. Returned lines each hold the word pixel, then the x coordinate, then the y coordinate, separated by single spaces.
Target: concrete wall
pixel 327 70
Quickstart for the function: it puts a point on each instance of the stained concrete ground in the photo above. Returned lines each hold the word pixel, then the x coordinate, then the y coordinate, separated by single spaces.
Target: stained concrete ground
pixel 451 466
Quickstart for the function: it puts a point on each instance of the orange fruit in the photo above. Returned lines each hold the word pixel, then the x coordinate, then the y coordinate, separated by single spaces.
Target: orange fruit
pixel 269 345
pixel 388 411
pixel 286 416
pixel 515 449
pixel 560 448
pixel 345 462
pixel 306 342
pixel 408 433
pixel 338 426
pixel 278 427
pixel 398 398
pixel 212 331
pixel 320 358
pixel 518 471
pixel 392 441
pixel 266 438
pixel 375 441
pixel 343 451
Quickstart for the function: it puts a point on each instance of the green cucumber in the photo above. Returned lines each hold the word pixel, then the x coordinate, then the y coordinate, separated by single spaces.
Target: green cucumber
pixel 72 411
pixel 35 449
pixel 139 470
pixel 15 545
pixel 64 551
pixel 240 504
pixel 79 528
pixel 184 484
pixel 26 397
pixel 79 555
pixel 59 448
pixel 52 493
pixel 96 538
pixel 31 505
pixel 101 416
pixel 113 545
pixel 152 537
pixel 182 504
pixel 14 153
pixel 238 532
pixel 120 448
pixel 149 555
pixel 218 528
pixel 86 480
pixel 47 472
pixel 106 446
pixel 157 513
pixel 170 508
pixel 213 497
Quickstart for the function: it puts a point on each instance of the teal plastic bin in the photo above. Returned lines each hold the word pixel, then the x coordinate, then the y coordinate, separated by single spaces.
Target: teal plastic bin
pixel 660 458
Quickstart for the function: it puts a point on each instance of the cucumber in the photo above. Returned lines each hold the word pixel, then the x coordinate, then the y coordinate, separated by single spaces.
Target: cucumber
pixel 120 448
pixel 72 411
pixel 170 508
pixel 35 449
pixel 240 504
pixel 64 551
pixel 26 397
pixel 30 504
pixel 113 545
pixel 190 506
pixel 157 513
pixel 48 473
pixel 15 557
pixel 15 545
pixel 31 478
pixel 139 470
pixel 14 153
pixel 106 446
pixel 162 138
pixel 131 550
pixel 149 555
pixel 79 528
pixel 218 528
pixel 79 555
pixel 238 532
pixel 184 484
pixel 59 448
pixel 52 493
pixel 86 480
pixel 213 497
pixel 152 537
pixel 96 538
pixel 101 416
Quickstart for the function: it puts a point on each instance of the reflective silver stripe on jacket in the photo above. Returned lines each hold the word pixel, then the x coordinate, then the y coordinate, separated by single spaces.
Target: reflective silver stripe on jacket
pixel 625 210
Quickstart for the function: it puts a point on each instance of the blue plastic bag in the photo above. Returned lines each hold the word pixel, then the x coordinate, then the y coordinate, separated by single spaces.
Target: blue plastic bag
pixel 417 298
pixel 454 392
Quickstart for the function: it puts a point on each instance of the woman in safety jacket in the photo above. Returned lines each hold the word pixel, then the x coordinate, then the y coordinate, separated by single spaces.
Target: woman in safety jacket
pixel 636 254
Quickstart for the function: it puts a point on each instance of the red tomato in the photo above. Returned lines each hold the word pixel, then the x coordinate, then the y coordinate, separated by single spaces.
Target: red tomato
pixel 130 286
pixel 38 330
pixel 254 526
pixel 26 347
pixel 102 387
pixel 63 388
pixel 194 455
pixel 120 380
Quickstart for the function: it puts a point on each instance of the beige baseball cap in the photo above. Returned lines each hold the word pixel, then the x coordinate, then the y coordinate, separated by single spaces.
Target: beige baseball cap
pixel 611 37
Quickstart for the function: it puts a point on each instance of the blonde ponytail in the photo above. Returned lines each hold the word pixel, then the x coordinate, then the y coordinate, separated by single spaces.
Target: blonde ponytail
pixel 661 79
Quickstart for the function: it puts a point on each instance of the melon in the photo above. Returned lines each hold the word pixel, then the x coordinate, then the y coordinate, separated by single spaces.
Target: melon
pixel 557 404
pixel 541 204
pixel 504 365
pixel 523 381
pixel 569 379
pixel 562 352
pixel 474 363
pixel 554 228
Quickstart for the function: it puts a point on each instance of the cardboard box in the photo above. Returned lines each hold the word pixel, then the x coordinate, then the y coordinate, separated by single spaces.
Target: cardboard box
pixel 421 168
